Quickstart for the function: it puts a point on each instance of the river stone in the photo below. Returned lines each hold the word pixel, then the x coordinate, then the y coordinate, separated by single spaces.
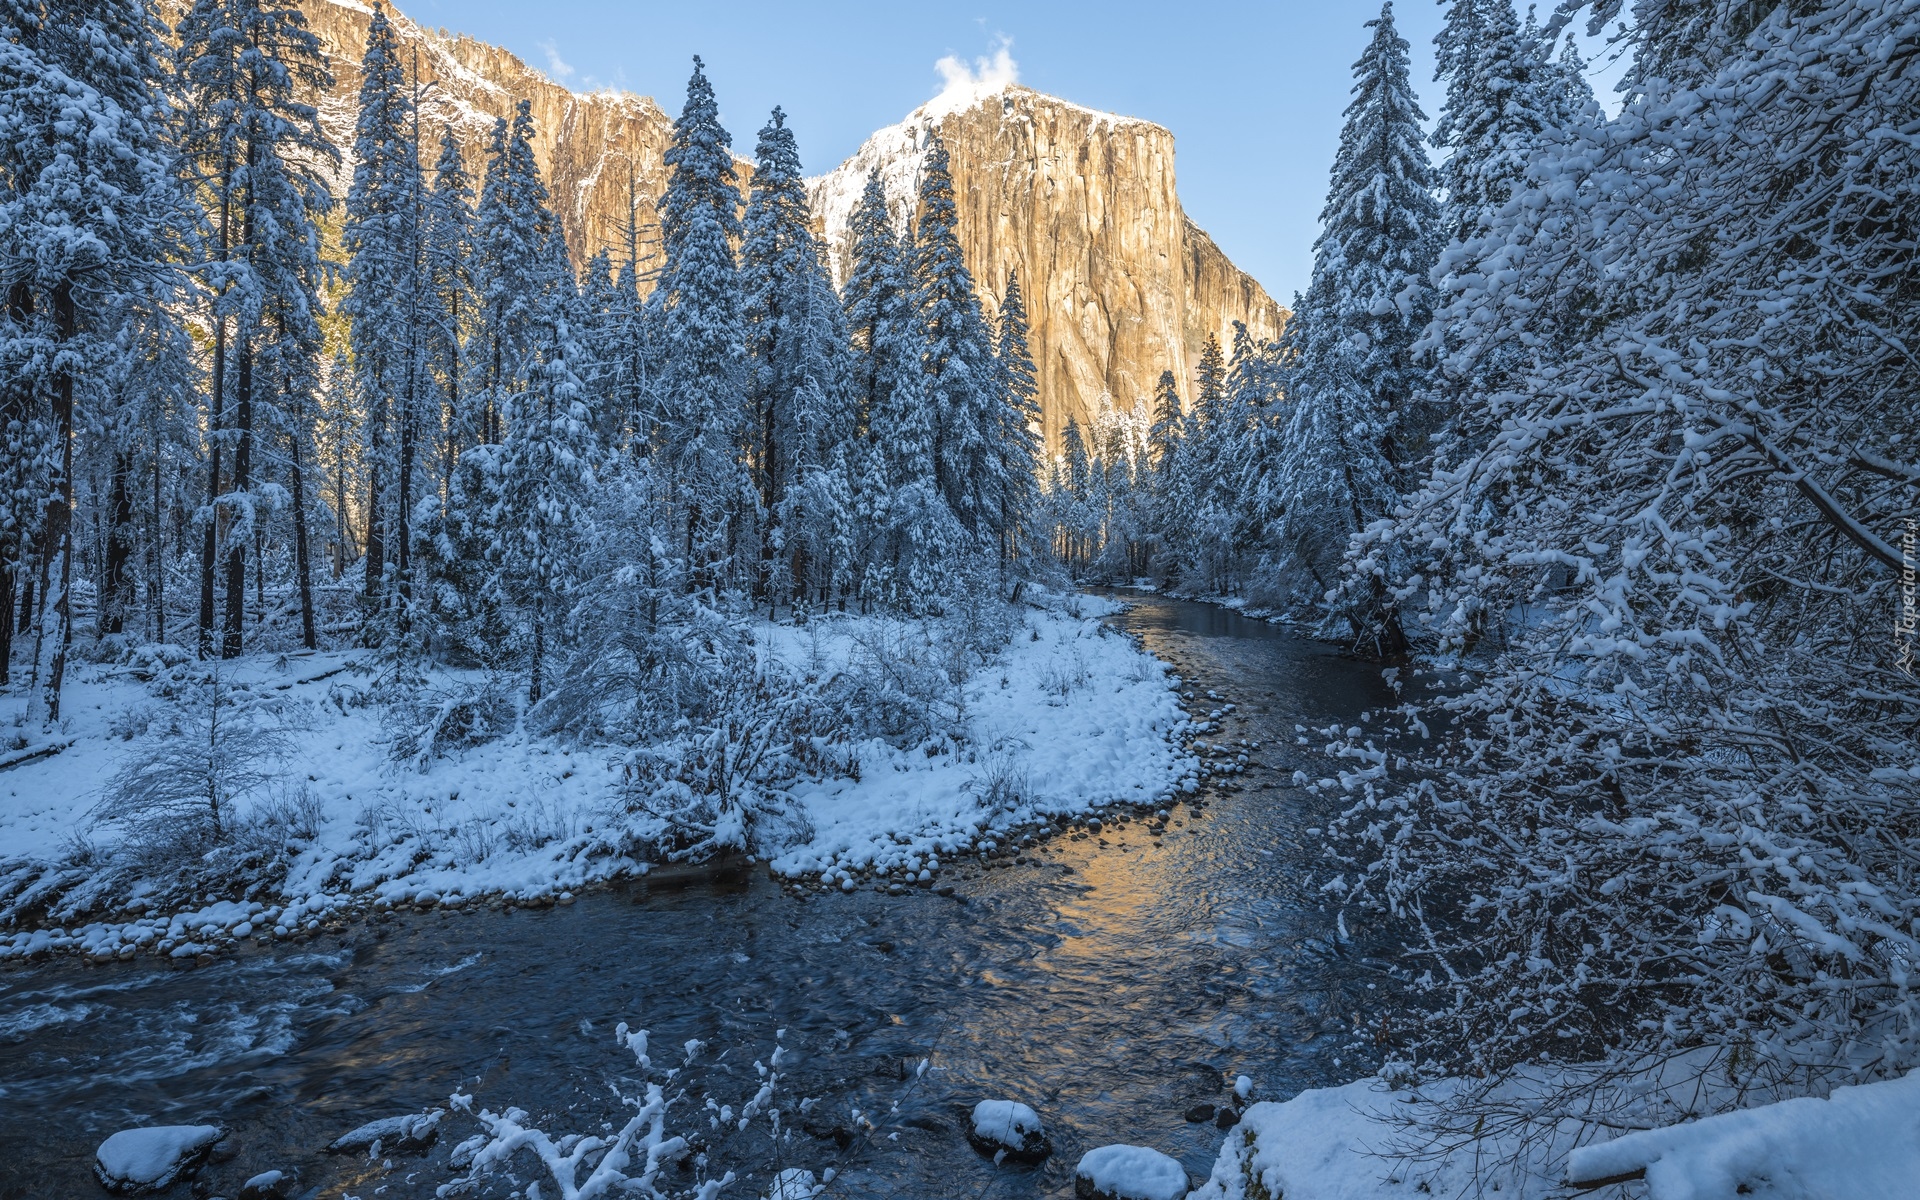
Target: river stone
pixel 1200 1113
pixel 147 1160
pixel 267 1185
pixel 411 1134
pixel 1129 1173
pixel 1009 1126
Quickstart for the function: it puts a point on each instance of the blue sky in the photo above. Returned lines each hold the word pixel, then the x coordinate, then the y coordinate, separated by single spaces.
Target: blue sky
pixel 1252 92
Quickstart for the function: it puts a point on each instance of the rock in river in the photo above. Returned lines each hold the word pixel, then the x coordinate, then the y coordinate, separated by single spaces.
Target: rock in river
pixel 147 1160
pixel 1007 1125
pixel 1129 1173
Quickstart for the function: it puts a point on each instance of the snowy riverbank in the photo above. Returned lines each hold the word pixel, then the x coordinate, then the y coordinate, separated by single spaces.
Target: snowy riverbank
pixel 1353 1143
pixel 1067 717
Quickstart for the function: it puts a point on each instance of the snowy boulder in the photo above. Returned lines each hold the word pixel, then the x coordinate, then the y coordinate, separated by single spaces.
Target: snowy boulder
pixel 1010 1127
pixel 267 1185
pixel 794 1184
pixel 411 1134
pixel 1129 1173
pixel 147 1160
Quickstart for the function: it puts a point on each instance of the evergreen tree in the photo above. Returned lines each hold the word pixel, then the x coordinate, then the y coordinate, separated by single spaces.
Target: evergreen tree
pixel 1016 430
pixel 886 340
pixel 254 147
pixel 800 389
pixel 544 480
pixel 510 233
pixel 704 417
pixel 1351 376
pixel 956 358
pixel 1168 421
pixel 388 309
pixel 448 220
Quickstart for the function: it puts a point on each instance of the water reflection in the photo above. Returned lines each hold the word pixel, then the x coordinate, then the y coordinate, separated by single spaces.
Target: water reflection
pixel 1112 982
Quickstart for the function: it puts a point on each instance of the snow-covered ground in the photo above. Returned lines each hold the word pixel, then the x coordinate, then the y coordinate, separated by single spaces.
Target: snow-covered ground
pixel 1350 1143
pixel 1069 717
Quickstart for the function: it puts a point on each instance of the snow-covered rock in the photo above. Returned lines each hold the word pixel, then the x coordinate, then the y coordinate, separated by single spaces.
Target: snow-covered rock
pixel 267 1185
pixel 1129 1173
pixel 1007 1125
pixel 794 1183
pixel 146 1160
pixel 410 1134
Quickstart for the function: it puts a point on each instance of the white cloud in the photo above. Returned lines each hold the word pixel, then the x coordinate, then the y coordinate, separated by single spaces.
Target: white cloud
pixel 558 67
pixel 965 85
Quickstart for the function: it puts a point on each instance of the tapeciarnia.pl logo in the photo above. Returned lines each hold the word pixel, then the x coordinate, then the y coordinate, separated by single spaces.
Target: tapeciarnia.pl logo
pixel 1906 627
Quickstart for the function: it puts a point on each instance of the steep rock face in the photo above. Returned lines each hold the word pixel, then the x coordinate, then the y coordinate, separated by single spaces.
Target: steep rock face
pixel 598 151
pixel 1119 284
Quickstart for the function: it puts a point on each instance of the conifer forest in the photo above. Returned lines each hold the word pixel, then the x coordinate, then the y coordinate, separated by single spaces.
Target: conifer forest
pixel 1521 646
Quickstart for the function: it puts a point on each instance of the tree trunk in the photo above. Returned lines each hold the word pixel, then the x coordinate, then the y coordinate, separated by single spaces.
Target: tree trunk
pixel 302 566
pixel 236 589
pixel 403 506
pixel 60 512
pixel 116 581
pixel 157 546
pixel 539 655
pixel 14 400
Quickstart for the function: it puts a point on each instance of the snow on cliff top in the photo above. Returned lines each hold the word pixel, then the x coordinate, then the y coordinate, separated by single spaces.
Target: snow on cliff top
pixel 898 151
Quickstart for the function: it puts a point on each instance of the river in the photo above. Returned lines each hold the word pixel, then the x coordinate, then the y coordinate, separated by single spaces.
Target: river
pixel 1114 982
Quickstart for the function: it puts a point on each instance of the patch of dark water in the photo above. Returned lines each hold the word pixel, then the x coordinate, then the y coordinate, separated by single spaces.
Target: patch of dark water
pixel 1117 982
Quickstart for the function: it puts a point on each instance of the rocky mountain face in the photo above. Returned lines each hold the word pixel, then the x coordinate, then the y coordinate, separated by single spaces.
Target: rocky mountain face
pixel 1120 285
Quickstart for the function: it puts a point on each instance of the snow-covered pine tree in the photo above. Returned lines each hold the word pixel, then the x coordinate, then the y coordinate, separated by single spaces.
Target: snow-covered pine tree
pixel 86 206
pixel 1016 425
pixel 545 474
pixel 448 218
pixel 956 358
pixel 704 419
pixel 1169 422
pixel 800 387
pixel 886 341
pixel 511 228
pixel 1352 378
pixel 1506 102
pixel 388 305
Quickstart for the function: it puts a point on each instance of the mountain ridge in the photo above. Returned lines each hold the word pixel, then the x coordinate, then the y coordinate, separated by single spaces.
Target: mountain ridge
pixel 1120 283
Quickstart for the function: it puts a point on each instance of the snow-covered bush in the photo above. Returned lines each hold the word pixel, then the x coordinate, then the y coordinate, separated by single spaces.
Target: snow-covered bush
pixel 216 745
pixel 719 781
pixel 424 722
pixel 631 1162
pixel 1681 810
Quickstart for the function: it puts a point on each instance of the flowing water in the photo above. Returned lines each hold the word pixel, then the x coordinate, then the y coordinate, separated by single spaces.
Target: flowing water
pixel 1114 982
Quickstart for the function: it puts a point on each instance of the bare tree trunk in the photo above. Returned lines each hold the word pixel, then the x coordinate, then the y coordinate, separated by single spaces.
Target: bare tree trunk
pixel 60 512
